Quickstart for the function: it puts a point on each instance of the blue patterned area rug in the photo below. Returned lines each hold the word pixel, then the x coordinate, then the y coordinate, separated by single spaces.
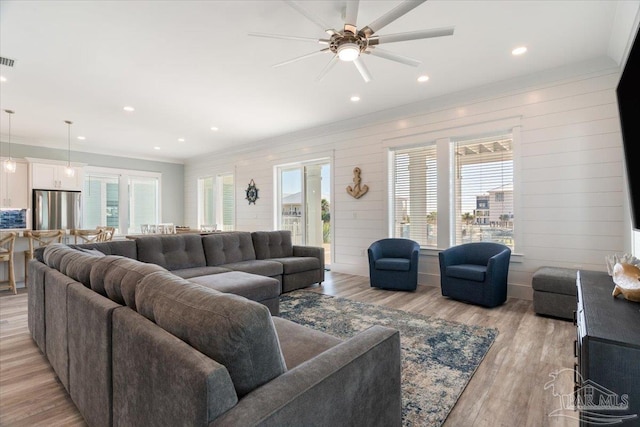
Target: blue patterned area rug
pixel 439 357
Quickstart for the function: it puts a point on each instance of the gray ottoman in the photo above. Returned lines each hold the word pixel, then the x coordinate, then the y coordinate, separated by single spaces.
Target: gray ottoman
pixel 555 292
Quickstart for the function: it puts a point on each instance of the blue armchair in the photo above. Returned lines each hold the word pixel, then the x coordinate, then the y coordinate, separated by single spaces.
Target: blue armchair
pixel 475 273
pixel 393 264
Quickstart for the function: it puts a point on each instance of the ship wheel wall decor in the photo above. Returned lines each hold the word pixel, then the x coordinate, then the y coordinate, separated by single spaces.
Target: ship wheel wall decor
pixel 252 192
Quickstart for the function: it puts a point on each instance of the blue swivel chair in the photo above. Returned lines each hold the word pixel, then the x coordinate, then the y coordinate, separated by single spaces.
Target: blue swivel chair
pixel 393 264
pixel 475 273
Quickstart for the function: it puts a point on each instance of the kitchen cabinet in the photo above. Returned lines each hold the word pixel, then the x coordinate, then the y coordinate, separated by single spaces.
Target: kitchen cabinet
pixel 46 176
pixel 14 187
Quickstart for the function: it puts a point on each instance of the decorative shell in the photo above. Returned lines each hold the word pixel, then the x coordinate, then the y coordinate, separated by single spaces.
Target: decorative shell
pixel 627 280
pixel 614 259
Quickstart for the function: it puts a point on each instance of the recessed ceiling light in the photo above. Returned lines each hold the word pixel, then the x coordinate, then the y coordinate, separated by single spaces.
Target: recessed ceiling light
pixel 180 139
pixel 3 79
pixel 156 148
pixel 423 78
pixel 82 138
pixel 355 98
pixel 519 50
pixel 213 128
pixel 129 108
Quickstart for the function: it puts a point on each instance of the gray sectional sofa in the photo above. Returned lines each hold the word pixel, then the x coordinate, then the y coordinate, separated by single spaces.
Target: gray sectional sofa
pixel 136 344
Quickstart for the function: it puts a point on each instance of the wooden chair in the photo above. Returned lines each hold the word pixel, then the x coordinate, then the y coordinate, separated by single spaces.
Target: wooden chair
pixel 107 233
pixel 86 236
pixel 38 239
pixel 7 241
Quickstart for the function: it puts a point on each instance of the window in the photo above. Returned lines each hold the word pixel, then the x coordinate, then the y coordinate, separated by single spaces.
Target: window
pixel 216 202
pixel 483 189
pixel 415 191
pixel 467 184
pixel 143 202
pixel 101 201
pixel 120 198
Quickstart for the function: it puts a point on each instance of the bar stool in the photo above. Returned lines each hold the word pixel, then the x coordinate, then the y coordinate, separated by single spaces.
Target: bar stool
pixel 86 236
pixel 38 239
pixel 107 233
pixel 7 241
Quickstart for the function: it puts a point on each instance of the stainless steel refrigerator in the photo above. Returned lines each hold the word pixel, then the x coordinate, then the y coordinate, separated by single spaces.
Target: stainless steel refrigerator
pixel 57 210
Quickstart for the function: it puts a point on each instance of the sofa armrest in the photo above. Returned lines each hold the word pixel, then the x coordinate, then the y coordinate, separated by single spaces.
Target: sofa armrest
pixel 356 382
pixel 313 251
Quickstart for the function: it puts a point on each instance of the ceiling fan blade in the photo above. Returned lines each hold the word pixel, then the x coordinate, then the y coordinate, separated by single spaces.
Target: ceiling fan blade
pixel 412 35
pixel 327 67
pixel 287 37
pixel 389 17
pixel 393 57
pixel 310 16
pixel 362 69
pixel 351 14
pixel 308 55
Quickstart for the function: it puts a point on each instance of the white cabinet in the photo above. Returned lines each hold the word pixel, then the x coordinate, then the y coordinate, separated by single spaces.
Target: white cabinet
pixel 14 187
pixel 45 176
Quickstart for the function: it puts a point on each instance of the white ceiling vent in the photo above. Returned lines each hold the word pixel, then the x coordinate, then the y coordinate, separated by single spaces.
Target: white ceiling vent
pixel 6 61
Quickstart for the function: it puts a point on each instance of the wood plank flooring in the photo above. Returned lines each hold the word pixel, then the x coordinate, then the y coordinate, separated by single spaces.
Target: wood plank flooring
pixel 506 390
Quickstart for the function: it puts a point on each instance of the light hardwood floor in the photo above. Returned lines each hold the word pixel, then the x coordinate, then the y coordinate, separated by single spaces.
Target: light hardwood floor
pixel 506 390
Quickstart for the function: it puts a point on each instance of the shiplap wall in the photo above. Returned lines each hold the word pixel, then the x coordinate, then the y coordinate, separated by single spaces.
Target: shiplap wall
pixel 569 171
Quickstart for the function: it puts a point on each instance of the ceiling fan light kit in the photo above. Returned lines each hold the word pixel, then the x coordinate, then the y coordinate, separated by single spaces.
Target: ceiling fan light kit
pixel 348 52
pixel 349 43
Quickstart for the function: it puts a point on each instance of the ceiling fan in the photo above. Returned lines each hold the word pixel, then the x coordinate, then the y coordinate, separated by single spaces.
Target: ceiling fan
pixel 350 43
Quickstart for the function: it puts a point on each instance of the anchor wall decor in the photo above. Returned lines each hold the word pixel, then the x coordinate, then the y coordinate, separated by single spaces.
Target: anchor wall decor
pixel 357 191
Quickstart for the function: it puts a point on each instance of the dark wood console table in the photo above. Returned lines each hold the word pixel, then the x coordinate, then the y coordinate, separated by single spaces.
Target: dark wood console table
pixel 607 351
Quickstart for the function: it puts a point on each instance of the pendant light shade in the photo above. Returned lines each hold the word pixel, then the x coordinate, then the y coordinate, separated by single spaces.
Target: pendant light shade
pixel 69 171
pixel 9 165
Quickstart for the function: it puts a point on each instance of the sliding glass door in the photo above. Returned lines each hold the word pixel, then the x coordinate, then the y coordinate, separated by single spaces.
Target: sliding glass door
pixel 304 203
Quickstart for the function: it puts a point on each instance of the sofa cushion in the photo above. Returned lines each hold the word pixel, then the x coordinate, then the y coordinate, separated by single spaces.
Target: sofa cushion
pixel 394 264
pixel 261 267
pixel 125 248
pixel 77 265
pixel 187 273
pixel 272 244
pixel 173 252
pixel 117 277
pixel 53 254
pixel 251 286
pixel 232 330
pixel 226 248
pixel 473 272
pixel 297 264
pixel 300 343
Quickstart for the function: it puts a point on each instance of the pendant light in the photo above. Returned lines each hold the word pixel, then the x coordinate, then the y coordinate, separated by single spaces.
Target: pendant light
pixel 9 165
pixel 69 171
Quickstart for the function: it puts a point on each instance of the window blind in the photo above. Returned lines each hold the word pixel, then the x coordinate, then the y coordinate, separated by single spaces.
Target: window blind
pixel 227 202
pixel 483 188
pixel 414 194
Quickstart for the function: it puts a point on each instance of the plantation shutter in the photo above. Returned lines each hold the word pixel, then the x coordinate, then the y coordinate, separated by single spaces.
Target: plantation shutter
pixel 228 203
pixel 414 194
pixel 483 191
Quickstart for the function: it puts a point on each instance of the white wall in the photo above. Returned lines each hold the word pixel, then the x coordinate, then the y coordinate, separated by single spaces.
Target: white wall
pixel 570 169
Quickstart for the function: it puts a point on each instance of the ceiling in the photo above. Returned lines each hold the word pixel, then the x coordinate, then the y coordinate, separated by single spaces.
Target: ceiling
pixel 187 66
